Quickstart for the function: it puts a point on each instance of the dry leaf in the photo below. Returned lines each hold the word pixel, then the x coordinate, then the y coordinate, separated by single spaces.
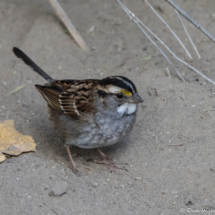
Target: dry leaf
pixel 12 142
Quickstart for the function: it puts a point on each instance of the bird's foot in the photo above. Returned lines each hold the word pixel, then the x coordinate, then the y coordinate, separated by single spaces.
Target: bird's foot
pixel 107 161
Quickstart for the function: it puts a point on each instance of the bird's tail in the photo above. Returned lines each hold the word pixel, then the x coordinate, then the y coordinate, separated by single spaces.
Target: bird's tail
pixel 30 63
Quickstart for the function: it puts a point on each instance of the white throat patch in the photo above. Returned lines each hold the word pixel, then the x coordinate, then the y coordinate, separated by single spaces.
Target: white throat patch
pixel 127 108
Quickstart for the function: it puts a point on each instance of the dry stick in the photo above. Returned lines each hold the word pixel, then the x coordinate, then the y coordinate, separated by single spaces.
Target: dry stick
pixel 191 41
pixel 137 21
pixel 68 24
pixel 132 16
pixel 197 25
pixel 168 28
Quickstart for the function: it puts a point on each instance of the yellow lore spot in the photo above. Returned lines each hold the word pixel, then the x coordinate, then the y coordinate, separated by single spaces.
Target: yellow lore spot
pixel 126 92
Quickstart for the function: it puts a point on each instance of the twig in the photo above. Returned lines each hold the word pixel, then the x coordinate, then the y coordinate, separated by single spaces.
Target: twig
pixel 168 28
pixel 137 21
pixel 197 25
pixel 68 24
pixel 191 41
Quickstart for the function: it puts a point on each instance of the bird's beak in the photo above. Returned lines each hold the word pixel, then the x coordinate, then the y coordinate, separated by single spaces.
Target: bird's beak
pixel 136 98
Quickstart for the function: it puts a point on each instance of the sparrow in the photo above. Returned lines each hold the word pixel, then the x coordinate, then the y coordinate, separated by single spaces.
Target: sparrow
pixel 89 113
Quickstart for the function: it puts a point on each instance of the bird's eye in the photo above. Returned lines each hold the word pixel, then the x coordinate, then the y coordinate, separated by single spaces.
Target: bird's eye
pixel 119 95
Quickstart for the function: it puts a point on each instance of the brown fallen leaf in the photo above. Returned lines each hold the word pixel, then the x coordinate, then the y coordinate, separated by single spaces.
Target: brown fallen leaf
pixel 12 142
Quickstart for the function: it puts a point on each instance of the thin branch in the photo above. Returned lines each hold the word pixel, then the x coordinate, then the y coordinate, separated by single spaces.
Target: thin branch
pixel 68 24
pixel 191 41
pixel 197 25
pixel 168 28
pixel 137 21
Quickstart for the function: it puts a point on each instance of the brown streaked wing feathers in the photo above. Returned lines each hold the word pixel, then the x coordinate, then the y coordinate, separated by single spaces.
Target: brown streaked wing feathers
pixel 77 100
pixel 73 97
pixel 50 94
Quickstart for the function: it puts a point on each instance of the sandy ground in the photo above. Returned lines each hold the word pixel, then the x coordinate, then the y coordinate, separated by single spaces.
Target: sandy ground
pixel 171 149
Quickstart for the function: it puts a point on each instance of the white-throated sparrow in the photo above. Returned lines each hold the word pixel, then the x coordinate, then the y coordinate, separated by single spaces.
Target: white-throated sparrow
pixel 89 113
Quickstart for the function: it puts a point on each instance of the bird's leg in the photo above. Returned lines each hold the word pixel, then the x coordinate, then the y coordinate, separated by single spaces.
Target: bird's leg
pixel 74 168
pixel 105 160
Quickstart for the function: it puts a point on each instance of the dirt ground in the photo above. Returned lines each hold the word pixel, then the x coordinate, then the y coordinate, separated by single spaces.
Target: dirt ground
pixel 170 152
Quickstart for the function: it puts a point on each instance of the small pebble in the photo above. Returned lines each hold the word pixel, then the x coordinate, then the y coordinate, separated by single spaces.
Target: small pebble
pixel 137 178
pixel 87 167
pixel 91 29
pixel 94 184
